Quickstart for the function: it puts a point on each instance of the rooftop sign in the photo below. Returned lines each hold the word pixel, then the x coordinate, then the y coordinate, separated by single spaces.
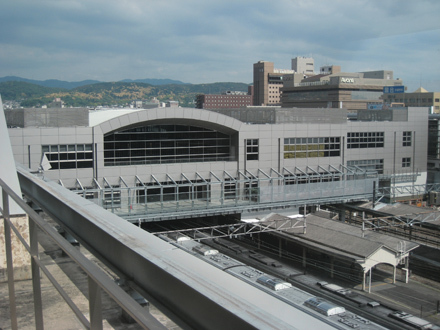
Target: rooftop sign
pixel 347 80
pixel 394 89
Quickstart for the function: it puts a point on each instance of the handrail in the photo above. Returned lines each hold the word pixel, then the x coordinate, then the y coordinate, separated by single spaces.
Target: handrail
pixel 97 278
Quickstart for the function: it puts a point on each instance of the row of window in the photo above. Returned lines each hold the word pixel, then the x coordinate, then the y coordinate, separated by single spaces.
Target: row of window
pixel 67 156
pixel 312 147
pixel 365 140
pixel 301 147
pixel 158 144
pixel 368 164
pixel 375 164
pixel 411 100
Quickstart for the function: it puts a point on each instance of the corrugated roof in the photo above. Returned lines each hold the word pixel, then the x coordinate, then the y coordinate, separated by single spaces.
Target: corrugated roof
pixel 343 239
pixel 400 209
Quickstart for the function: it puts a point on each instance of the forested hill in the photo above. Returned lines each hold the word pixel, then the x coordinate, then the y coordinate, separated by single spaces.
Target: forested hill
pixel 111 93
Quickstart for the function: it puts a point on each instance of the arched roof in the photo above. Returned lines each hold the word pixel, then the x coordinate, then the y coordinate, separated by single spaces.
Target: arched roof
pixel 179 116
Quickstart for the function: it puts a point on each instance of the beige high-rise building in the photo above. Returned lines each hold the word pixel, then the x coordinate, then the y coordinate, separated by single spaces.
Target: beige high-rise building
pixel 267 83
pixel 304 65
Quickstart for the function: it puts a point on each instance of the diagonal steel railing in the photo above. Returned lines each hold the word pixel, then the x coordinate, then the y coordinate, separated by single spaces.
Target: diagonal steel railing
pixel 97 279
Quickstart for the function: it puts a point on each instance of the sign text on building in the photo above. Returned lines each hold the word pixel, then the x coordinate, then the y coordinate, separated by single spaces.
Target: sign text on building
pixel 347 80
pixel 394 89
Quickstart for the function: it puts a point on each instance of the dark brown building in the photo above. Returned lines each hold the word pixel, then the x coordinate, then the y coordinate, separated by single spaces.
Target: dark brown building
pixel 222 101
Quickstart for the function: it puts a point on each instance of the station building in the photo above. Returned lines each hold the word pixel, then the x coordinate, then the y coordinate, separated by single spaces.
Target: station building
pixel 261 154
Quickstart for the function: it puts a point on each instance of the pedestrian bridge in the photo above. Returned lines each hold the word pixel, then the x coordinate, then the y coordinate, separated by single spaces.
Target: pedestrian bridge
pixel 223 193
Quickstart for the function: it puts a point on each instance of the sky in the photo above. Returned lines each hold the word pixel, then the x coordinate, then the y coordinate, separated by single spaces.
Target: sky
pixel 206 41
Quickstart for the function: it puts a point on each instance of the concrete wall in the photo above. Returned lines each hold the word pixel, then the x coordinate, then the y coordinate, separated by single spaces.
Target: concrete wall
pixel 48 117
pixel 20 256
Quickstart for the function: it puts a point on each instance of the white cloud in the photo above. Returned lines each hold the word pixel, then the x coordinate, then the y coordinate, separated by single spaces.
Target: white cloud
pixel 206 41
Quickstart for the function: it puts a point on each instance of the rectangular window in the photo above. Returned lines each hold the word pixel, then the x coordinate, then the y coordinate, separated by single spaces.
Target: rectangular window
pixel 406 162
pixel 230 189
pixel 312 147
pixel 407 139
pixel 68 156
pixel 252 149
pixel 356 140
pixel 368 164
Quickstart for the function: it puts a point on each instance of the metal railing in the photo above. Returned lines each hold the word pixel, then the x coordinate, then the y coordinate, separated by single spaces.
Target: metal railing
pixel 97 279
pixel 219 194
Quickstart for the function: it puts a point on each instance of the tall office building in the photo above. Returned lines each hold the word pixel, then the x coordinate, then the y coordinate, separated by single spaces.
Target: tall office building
pixel 267 83
pixel 304 65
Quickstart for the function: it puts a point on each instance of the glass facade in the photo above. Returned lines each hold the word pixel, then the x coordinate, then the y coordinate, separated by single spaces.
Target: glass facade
pixel 366 95
pixel 368 164
pixel 307 96
pixel 312 147
pixel 365 140
pixel 161 144
pixel 67 156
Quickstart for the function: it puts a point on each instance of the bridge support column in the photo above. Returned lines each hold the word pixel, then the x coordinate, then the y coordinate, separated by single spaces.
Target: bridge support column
pixel 342 214
pixel 394 274
pixel 304 258
pixel 332 260
pixel 363 280
pixel 280 248
pixel 369 279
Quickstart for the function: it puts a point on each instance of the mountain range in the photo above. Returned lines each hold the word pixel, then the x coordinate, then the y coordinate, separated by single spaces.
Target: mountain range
pixel 54 83
pixel 34 93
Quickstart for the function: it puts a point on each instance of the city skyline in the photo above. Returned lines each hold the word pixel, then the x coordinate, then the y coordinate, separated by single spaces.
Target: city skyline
pixel 198 42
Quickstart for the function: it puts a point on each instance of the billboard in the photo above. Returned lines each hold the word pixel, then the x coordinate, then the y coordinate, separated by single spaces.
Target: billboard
pixel 394 89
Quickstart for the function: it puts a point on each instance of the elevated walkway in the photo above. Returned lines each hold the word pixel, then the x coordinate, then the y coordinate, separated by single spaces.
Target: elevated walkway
pixel 224 193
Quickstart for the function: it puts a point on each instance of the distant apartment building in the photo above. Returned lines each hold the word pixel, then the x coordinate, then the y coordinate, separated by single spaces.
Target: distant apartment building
pixel 229 99
pixel 332 88
pixel 419 98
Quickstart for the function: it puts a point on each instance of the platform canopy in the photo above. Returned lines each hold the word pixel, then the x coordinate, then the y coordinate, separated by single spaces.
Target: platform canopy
pixel 345 241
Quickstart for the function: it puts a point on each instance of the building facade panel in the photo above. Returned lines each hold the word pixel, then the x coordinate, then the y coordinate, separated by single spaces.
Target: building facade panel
pixel 295 140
